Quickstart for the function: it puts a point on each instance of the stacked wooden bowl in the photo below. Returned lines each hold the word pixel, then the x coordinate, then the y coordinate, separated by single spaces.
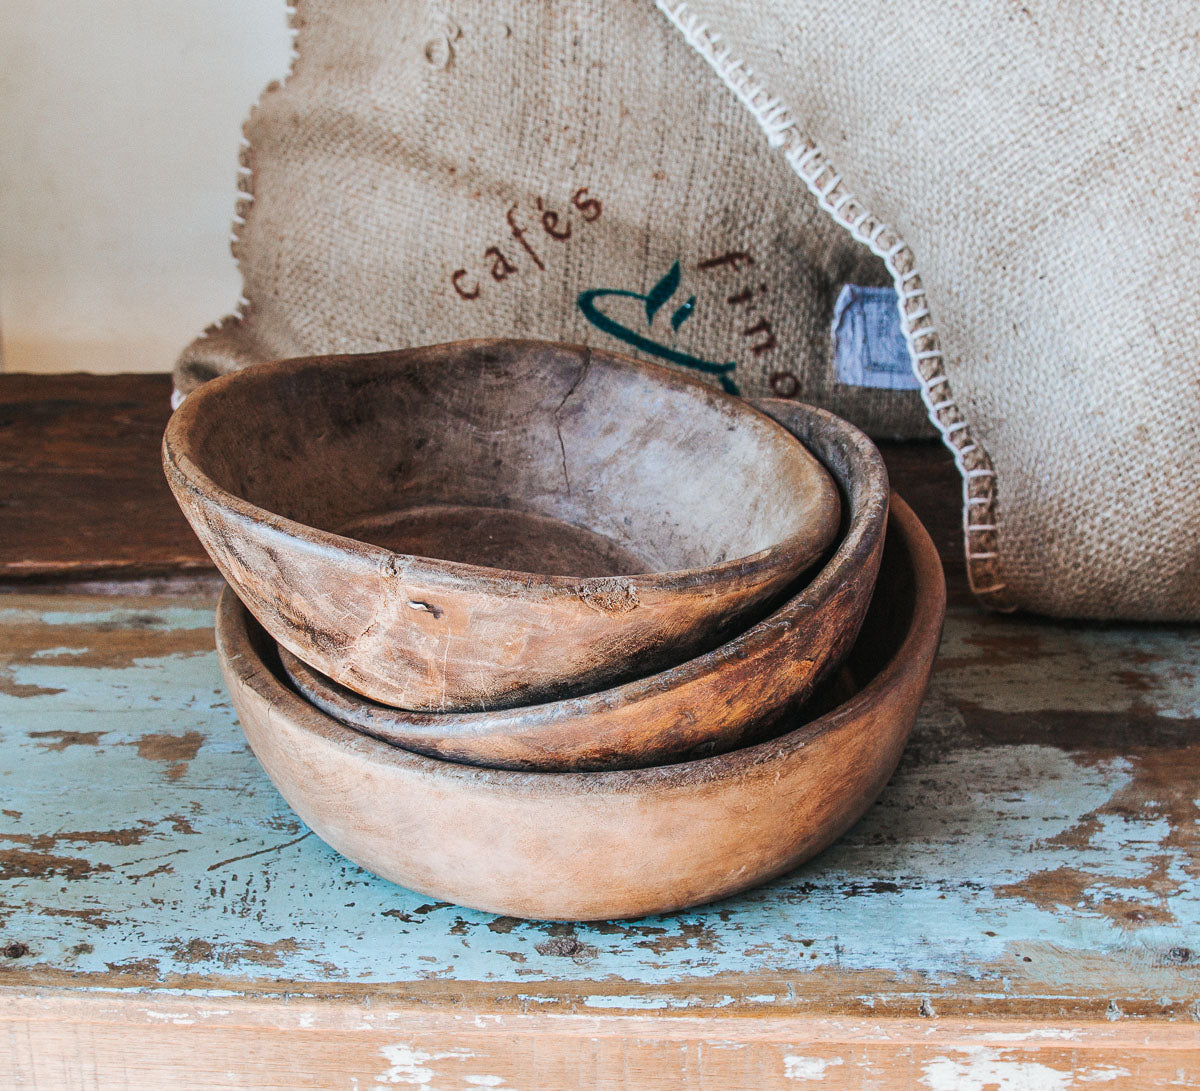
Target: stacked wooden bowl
pixel 553 632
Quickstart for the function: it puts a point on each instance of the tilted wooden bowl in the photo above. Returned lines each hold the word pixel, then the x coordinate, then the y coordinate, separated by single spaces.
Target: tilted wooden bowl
pixel 709 704
pixel 582 846
pixel 629 516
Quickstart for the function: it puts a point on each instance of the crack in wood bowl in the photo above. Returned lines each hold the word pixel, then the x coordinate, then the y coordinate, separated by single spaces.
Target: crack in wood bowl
pixel 493 523
pixel 713 703
pixel 584 846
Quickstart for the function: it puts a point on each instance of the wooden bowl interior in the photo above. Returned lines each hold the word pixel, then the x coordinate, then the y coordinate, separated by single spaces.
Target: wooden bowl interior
pixel 516 455
pixel 745 684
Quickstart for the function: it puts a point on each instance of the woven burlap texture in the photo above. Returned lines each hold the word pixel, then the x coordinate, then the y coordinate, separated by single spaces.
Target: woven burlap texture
pixel 1031 169
pixel 434 172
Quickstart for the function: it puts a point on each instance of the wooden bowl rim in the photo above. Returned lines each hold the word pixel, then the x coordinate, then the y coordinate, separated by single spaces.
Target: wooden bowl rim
pixel 433 571
pixel 859 539
pixel 236 649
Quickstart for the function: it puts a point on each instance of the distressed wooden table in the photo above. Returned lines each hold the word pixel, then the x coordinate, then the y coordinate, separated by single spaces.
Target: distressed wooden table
pixel 1021 908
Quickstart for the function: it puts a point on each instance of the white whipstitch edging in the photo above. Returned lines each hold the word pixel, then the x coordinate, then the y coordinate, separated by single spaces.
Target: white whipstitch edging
pixel 807 159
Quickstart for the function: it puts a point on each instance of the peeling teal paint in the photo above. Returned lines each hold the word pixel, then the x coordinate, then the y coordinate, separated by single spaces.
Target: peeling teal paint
pixel 161 618
pixel 209 872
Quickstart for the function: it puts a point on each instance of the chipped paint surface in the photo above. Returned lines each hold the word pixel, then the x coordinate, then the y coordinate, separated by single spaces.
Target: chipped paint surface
pixel 808 1068
pixel 410 1066
pixel 1040 838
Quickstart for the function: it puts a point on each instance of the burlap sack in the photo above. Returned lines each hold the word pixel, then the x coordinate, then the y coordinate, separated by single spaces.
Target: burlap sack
pixel 564 169
pixel 1039 160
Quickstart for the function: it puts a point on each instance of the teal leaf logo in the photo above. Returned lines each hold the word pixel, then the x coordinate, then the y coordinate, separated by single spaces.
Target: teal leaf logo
pixel 661 292
pixel 683 314
pixel 655 300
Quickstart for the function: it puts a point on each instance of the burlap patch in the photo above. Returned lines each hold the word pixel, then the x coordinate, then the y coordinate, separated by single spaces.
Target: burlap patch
pixel 1039 158
pixel 562 169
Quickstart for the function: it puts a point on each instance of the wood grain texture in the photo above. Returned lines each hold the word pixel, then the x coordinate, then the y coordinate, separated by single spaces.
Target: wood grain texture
pixel 134 1042
pixel 692 511
pixel 81 489
pixel 722 699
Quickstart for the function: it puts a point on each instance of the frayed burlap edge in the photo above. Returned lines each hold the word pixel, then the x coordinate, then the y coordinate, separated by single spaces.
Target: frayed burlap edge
pixel 981 534
pixel 243 205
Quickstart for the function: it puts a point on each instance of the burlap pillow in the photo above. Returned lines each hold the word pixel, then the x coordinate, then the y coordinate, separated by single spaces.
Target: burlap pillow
pixel 1039 160
pixel 564 169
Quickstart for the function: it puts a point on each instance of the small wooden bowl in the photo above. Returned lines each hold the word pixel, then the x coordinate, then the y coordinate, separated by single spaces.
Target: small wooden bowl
pixel 629 516
pixel 710 704
pixel 581 846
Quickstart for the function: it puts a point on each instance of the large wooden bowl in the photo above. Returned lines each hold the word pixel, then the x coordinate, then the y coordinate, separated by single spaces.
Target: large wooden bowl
pixel 710 704
pixel 493 523
pixel 581 846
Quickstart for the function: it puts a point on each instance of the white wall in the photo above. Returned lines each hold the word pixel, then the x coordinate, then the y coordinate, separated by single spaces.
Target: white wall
pixel 119 128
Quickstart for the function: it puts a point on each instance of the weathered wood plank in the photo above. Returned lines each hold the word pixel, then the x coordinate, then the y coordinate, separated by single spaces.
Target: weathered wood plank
pixel 1035 855
pixel 82 495
pixel 134 1041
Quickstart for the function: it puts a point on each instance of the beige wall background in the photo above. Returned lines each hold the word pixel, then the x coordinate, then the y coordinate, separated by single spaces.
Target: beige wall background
pixel 119 128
